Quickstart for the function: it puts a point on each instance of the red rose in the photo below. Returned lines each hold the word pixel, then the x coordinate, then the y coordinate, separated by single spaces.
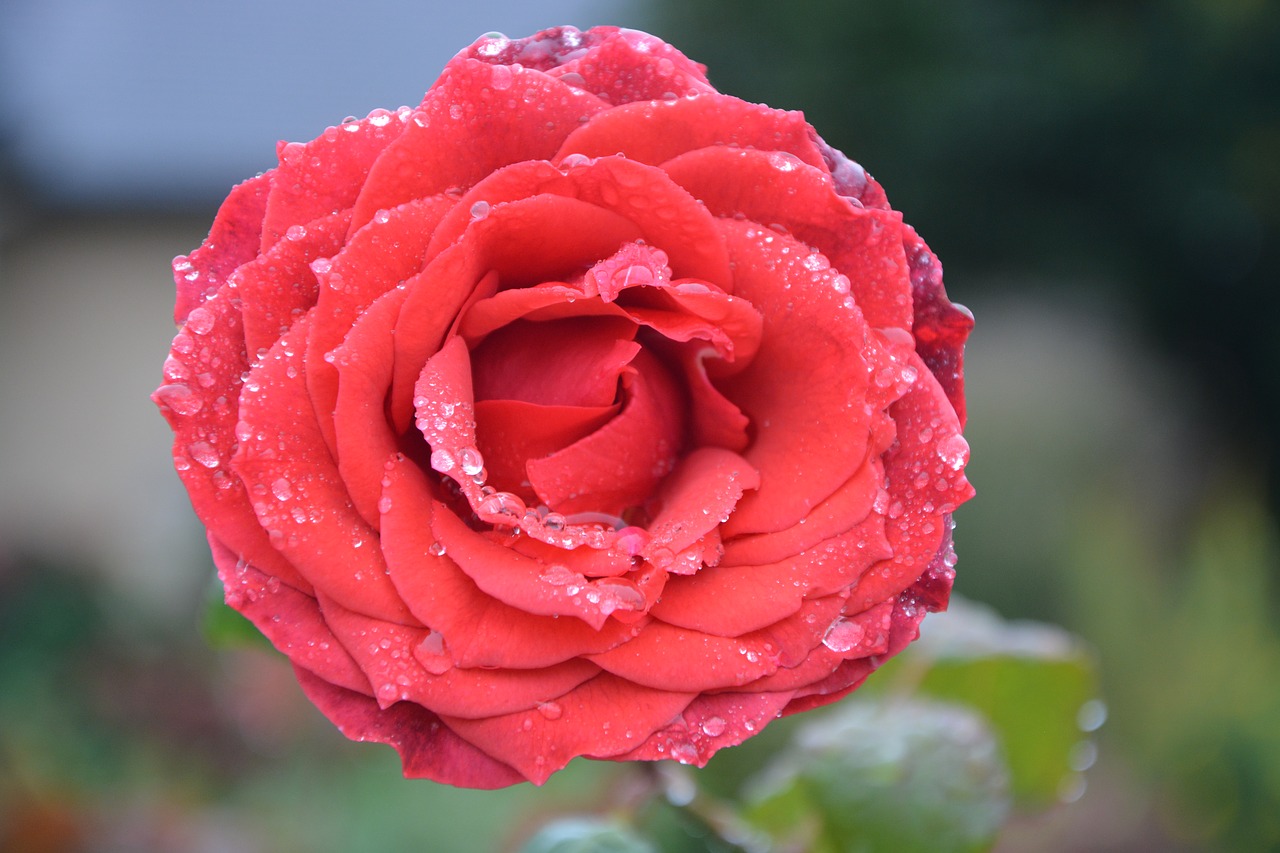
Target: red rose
pixel 580 410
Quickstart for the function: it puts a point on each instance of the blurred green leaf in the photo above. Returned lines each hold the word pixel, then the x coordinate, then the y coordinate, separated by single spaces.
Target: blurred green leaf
pixel 887 775
pixel 224 627
pixel 1030 680
pixel 586 835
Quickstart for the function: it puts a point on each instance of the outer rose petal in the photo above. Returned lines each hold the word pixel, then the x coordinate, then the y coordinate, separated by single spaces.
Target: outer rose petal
pixel 427 747
pixel 464 130
pixel 233 240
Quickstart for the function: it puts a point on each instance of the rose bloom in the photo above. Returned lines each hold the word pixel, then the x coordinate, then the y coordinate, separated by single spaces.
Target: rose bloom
pixel 581 410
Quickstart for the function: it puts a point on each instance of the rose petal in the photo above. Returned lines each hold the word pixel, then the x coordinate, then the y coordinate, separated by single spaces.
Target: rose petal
pixel 233 241
pixel 709 724
pixel 531 240
pixel 843 510
pixel 656 132
pixel 583 722
pixel 925 470
pixel 277 286
pixel 375 260
pixel 698 495
pixel 941 327
pixel 773 188
pixel 316 178
pixel 465 129
pixel 619 465
pixel 297 493
pixel 479 631
pixel 362 431
pixel 629 65
pixel 807 392
pixel 572 362
pixel 428 749
pixel 669 658
pixel 511 432
pixel 200 400
pixel 290 619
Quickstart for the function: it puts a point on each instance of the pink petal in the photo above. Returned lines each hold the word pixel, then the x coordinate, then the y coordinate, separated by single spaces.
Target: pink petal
pixel 585 721
pixel 619 465
pixel 290 619
pixel 467 128
pixel 656 132
pixel 668 658
pixel 277 286
pixel 572 362
pixel 807 392
pixel 297 492
pixel 770 187
pixel 317 178
pixel 375 260
pixel 200 399
pixel 233 241
pixel 428 748
pixel 478 630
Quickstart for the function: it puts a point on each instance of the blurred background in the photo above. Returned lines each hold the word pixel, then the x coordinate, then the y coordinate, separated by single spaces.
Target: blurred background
pixel 1100 180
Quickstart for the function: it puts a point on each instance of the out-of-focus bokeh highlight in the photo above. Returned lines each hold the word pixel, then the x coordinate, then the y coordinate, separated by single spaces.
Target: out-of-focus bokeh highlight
pixel 1101 181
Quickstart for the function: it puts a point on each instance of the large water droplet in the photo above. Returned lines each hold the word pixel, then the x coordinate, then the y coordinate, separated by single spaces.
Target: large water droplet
pixel 843 636
pixel 471 461
pixel 442 460
pixel 180 399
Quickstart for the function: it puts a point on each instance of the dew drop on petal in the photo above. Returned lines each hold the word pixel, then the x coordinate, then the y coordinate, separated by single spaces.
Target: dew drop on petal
pixel 442 461
pixel 282 489
pixel 843 636
pixel 713 726
pixel 204 453
pixel 471 461
pixel 954 451
pixel 180 399
pixel 551 710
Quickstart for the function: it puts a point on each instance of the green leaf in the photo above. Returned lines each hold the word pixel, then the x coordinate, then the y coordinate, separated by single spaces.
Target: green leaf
pixel 1030 680
pixel 887 775
pixel 223 627
pixel 586 835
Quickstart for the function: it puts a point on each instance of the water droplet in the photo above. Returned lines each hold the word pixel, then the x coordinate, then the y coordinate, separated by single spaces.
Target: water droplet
pixel 204 453
pixel 843 636
pixel 713 726
pixel 551 710
pixel 442 461
pixel 200 321
pixel 437 549
pixel 180 399
pixel 471 461
pixel 479 210
pixel 501 77
pixel 295 233
pixel 282 489
pixel 1092 715
pixel 502 503
pixel 954 451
